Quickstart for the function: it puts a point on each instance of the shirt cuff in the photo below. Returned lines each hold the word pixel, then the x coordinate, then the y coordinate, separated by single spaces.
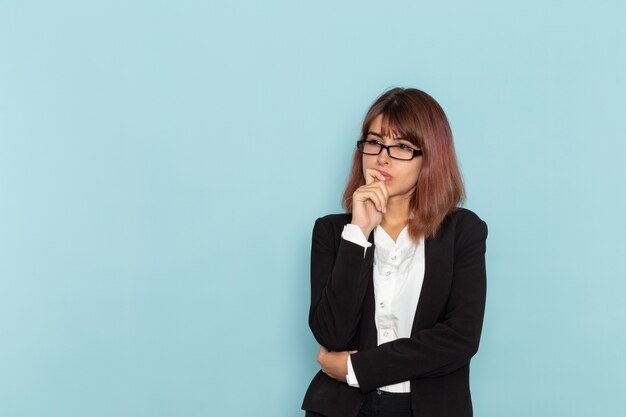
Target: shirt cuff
pixel 351 377
pixel 354 234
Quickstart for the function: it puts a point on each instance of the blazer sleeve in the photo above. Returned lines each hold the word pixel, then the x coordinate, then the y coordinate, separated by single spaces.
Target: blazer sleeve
pixel 339 280
pixel 452 341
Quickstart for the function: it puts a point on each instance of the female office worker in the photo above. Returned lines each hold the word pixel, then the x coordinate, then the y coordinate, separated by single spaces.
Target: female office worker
pixel 398 283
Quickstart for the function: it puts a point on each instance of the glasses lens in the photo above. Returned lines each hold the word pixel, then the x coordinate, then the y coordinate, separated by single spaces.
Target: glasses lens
pixel 369 147
pixel 401 153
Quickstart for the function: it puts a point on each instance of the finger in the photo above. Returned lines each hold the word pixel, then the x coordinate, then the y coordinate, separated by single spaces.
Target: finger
pixel 374 198
pixel 373 175
pixel 383 186
pixel 353 351
pixel 370 176
pixel 363 193
pixel 320 355
pixel 382 197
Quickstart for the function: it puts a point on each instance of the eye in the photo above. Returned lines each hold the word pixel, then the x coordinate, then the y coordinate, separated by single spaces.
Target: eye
pixel 372 142
pixel 406 147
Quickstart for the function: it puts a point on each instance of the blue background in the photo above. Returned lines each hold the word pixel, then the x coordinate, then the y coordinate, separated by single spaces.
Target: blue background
pixel 162 164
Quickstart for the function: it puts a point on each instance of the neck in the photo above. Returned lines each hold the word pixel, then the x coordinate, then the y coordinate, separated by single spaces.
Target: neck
pixel 398 210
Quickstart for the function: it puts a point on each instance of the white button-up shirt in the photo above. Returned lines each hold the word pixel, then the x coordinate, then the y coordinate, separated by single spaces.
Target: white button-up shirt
pixel 398 276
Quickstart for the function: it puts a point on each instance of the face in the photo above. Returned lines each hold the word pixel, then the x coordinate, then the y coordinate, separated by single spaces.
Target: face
pixel 401 175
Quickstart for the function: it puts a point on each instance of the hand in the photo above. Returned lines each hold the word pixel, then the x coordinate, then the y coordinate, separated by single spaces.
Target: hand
pixel 369 201
pixel 334 364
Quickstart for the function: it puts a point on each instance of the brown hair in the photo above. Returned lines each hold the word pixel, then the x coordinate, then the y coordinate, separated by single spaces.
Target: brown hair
pixel 418 117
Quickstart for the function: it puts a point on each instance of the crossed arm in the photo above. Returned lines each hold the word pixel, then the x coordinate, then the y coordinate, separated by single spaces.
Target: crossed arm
pixel 338 283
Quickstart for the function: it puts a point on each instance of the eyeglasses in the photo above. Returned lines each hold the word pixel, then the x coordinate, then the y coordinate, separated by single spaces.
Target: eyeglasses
pixel 402 151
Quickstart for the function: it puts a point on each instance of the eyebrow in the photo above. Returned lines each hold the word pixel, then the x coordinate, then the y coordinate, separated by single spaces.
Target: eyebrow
pixel 381 136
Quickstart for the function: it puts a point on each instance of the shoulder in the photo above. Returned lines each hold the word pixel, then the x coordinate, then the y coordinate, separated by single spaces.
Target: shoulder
pixel 463 224
pixel 464 216
pixel 327 230
pixel 338 218
pixel 332 223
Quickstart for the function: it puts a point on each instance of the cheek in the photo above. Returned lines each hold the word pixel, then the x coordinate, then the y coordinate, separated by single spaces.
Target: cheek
pixel 367 162
pixel 412 174
pixel 418 171
pixel 418 167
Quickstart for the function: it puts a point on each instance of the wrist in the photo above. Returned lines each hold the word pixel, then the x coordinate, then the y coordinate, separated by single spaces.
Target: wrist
pixel 365 229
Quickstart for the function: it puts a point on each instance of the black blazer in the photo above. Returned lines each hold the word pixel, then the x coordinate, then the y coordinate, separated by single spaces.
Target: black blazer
pixel 446 328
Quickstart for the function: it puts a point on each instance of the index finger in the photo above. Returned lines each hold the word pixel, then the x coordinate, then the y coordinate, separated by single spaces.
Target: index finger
pixel 373 175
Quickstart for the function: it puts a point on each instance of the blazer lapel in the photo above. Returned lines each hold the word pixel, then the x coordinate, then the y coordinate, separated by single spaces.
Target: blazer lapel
pixel 434 258
pixel 368 335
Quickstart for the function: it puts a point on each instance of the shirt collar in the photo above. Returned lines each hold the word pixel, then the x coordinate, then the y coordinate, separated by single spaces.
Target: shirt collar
pixel 384 241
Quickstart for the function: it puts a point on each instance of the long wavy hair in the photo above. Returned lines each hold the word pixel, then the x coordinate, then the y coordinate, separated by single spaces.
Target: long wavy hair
pixel 418 117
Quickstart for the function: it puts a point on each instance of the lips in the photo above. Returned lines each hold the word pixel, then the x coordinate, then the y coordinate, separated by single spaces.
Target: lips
pixel 387 176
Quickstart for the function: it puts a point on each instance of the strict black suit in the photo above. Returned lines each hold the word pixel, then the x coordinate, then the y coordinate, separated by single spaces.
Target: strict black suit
pixel 446 328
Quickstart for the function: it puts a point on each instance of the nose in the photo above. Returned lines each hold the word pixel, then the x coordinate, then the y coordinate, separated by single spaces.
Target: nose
pixel 383 157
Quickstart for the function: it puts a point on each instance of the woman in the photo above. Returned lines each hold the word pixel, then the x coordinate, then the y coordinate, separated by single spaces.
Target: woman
pixel 398 283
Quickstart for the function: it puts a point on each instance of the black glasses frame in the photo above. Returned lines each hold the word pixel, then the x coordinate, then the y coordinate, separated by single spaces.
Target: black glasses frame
pixel 416 152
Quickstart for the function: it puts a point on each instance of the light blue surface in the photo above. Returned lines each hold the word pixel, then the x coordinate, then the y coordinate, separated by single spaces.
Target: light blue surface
pixel 162 164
